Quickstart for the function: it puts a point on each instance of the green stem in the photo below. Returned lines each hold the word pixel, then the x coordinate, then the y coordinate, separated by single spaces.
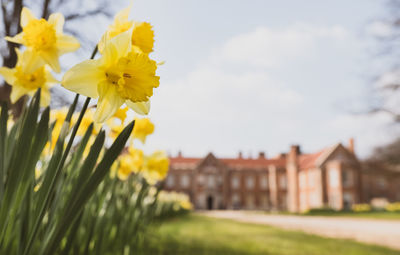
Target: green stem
pixel 59 168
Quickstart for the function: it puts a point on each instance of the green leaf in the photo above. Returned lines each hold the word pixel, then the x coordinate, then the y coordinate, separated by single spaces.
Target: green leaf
pixel 3 134
pixel 87 191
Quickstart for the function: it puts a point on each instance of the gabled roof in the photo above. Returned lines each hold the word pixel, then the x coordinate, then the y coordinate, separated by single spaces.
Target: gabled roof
pixel 318 158
pixel 309 160
pixel 253 163
pixel 183 162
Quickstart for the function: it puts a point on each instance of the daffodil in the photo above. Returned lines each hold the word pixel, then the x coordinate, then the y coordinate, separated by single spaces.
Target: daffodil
pixel 142 32
pixel 26 78
pixel 58 116
pixel 155 167
pixel 143 128
pixel 122 75
pixel 121 114
pixel 130 162
pixel 45 39
pixel 85 123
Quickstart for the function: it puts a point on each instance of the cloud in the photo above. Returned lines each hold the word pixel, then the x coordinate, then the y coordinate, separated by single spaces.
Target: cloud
pixel 379 29
pixel 268 47
pixel 263 89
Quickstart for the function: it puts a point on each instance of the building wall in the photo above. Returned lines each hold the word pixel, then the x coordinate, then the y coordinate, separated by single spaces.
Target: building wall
pixel 337 182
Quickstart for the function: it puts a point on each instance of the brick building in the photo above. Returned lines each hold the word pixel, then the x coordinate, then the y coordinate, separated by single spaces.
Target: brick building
pixel 293 181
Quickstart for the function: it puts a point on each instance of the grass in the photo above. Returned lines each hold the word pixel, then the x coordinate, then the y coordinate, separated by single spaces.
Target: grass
pixel 193 234
pixel 371 215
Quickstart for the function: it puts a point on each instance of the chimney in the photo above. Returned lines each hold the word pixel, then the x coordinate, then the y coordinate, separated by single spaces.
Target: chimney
pixel 240 155
pixel 294 152
pixel 179 154
pixel 351 145
pixel 261 155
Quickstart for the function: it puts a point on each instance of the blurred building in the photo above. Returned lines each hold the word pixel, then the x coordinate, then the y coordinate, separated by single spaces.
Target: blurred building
pixel 294 181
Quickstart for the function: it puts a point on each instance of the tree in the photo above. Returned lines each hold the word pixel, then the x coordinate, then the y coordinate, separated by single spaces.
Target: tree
pixel 387 91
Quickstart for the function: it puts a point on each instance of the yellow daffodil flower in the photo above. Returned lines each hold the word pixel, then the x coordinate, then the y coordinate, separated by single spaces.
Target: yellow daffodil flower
pixel 58 116
pixel 130 162
pixel 45 39
pixel 122 75
pixel 155 167
pixel 87 119
pixel 142 32
pixel 143 128
pixel 121 114
pixel 26 78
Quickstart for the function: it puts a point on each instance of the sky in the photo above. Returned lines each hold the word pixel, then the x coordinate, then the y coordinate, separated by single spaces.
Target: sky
pixel 255 76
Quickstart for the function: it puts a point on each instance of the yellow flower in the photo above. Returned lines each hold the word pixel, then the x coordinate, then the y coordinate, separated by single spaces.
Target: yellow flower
pixel 155 167
pixel 121 114
pixel 58 116
pixel 143 128
pixel 142 34
pixel 87 119
pixel 25 78
pixel 45 39
pixel 130 162
pixel 122 75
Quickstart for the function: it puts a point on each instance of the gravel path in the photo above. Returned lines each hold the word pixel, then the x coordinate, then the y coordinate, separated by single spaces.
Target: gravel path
pixel 380 232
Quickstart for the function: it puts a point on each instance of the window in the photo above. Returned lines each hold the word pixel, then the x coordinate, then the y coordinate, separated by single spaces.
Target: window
pixel 200 179
pixel 347 178
pixel 282 182
pixel 250 182
pixel 311 178
pixel 264 182
pixel 211 181
pixel 250 203
pixel 235 182
pixel 185 181
pixel 333 177
pixel 303 179
pixel 264 201
pixel 381 182
pixel 170 181
pixel 236 201
pixel 313 199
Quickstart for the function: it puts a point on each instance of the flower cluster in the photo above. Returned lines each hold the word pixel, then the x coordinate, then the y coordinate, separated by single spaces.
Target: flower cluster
pixel 124 74
pixel 45 43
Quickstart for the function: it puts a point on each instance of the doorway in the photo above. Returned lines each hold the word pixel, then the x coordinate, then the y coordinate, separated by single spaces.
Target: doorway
pixel 210 202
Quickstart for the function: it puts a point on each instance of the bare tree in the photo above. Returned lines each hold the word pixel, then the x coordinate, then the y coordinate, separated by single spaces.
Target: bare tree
pixel 387 91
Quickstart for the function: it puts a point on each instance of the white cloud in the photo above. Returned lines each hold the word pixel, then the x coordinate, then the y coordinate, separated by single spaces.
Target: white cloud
pixel 273 47
pixel 261 90
pixel 379 29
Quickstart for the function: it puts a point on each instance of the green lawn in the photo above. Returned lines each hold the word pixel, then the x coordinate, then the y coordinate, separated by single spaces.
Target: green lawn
pixel 372 215
pixel 193 234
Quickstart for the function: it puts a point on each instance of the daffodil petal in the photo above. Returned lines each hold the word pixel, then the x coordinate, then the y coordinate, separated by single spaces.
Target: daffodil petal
pixel 142 108
pixel 45 96
pixel 102 43
pixel 26 16
pixel 57 20
pixel 17 92
pixel 67 43
pixel 51 58
pixel 29 60
pixel 109 102
pixel 122 43
pixel 84 78
pixel 123 15
pixel 18 38
pixel 50 78
pixel 8 74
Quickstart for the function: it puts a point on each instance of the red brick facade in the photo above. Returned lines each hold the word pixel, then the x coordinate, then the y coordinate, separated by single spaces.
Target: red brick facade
pixel 292 182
